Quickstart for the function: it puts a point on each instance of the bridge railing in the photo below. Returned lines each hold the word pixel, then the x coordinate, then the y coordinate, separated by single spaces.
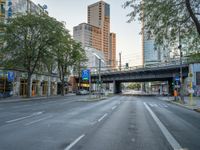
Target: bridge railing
pixel 173 62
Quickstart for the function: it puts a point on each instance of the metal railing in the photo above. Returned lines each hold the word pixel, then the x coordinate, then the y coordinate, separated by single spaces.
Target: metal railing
pixel 174 62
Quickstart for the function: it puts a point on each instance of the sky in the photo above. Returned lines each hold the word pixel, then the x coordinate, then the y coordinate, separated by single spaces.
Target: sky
pixel 74 12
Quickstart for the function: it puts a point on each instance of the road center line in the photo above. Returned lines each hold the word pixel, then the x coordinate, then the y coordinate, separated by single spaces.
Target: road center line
pixel 100 119
pixel 114 107
pixel 38 120
pixel 18 119
pixel 175 145
pixel 73 143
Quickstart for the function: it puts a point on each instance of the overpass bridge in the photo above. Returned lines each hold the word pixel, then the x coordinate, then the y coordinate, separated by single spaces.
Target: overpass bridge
pixel 158 72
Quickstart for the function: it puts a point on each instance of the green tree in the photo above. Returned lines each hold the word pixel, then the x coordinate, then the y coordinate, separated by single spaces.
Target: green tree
pixel 67 53
pixel 29 39
pixel 167 18
pixel 134 86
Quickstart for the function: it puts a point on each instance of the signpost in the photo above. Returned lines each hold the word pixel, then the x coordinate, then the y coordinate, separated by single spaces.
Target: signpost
pixel 86 75
pixel 11 76
pixel 177 78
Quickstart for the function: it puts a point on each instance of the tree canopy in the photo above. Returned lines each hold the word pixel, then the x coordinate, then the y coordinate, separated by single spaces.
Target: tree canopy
pixel 39 43
pixel 167 18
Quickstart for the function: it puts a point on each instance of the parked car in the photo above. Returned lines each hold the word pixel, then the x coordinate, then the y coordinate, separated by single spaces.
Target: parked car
pixel 82 92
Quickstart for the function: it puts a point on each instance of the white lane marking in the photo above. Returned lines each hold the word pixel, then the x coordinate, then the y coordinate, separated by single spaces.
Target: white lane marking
pixel 93 123
pixel 18 119
pixel 151 104
pixel 166 133
pixel 114 107
pixel 102 117
pixel 155 105
pixel 165 105
pixel 73 143
pixel 35 121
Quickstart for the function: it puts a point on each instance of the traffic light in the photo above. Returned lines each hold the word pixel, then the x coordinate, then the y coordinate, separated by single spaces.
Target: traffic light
pixel 126 65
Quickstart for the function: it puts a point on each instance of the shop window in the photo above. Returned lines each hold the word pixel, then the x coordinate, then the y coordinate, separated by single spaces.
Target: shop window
pixel 23 87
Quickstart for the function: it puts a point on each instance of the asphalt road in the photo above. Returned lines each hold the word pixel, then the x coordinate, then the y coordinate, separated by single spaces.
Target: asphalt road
pixel 118 123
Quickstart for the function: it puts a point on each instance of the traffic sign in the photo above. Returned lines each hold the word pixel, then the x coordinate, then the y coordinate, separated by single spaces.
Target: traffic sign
pixel 177 78
pixel 86 74
pixel 11 76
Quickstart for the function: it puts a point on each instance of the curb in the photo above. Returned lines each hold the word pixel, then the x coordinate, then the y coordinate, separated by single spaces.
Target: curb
pixel 93 100
pixel 21 99
pixel 18 99
pixel 197 109
pixel 176 103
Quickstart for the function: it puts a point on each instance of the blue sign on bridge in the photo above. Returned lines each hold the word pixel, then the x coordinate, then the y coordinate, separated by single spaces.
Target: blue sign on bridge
pixel 177 78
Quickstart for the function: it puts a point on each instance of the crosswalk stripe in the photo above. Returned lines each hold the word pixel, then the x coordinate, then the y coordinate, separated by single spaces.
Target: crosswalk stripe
pixel 157 105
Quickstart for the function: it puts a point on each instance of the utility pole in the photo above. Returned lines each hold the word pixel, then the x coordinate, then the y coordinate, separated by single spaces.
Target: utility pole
pixel 120 61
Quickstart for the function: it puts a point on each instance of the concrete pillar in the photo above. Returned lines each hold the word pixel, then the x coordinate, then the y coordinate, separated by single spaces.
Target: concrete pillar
pixel 116 87
pixel 16 86
pixel 40 88
pixel 171 88
pixel 31 85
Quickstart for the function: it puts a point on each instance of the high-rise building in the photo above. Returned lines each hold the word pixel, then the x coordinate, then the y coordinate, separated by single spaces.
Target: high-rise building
pixel 96 33
pixel 150 52
pixel 88 35
pixel 99 15
pixel 112 52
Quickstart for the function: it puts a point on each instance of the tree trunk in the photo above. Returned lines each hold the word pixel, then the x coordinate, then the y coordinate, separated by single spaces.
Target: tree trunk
pixel 192 15
pixel 29 88
pixel 63 88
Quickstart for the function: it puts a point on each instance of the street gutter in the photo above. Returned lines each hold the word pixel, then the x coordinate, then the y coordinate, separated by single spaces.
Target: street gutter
pixel 194 108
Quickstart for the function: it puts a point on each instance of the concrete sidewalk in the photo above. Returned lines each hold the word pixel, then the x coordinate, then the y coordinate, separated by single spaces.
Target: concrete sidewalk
pixel 193 105
pixel 22 99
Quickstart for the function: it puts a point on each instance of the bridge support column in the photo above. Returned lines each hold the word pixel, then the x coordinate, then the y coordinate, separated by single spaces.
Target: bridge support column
pixel 171 88
pixel 117 87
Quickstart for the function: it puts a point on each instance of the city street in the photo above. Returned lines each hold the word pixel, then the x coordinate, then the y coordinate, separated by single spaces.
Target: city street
pixel 117 123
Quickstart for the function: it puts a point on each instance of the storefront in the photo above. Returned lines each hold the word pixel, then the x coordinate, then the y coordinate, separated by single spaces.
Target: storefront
pixel 53 88
pixel 23 87
pixel 6 84
pixel 35 87
pixel 16 83
pixel 44 85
